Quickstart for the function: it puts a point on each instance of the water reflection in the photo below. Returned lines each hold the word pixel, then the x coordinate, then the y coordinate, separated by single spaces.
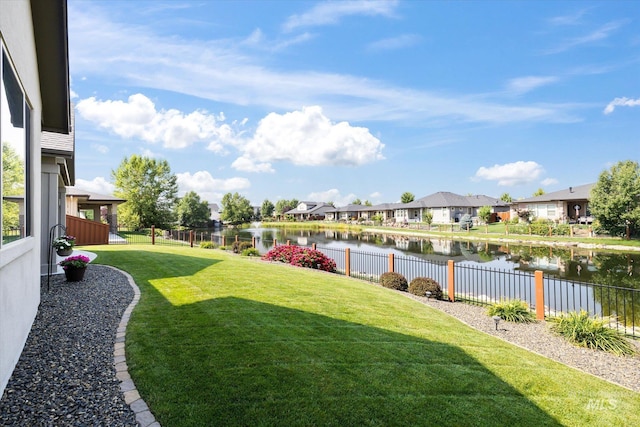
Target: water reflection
pixel 590 266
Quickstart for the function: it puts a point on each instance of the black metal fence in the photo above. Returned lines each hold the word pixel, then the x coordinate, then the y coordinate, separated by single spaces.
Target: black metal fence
pixel 618 306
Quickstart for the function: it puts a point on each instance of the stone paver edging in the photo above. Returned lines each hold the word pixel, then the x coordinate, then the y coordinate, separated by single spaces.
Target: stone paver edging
pixel 144 417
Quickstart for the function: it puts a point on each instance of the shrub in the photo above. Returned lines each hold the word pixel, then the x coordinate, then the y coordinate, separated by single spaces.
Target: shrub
pixel 512 311
pixel 250 252
pixel 313 259
pixel 420 285
pixel 207 245
pixel 302 257
pixel 394 280
pixel 239 246
pixel 282 253
pixel 585 331
pixel 223 248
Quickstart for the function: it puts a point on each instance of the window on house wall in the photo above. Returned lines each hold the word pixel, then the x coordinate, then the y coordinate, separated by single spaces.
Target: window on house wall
pixel 15 118
pixel 551 211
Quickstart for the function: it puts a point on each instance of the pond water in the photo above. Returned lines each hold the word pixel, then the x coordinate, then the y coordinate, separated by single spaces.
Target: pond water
pixel 583 265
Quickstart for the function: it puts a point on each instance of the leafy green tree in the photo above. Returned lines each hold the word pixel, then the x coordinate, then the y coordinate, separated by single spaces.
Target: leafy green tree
pixel 615 199
pixel 192 212
pixel 427 217
pixel 236 209
pixel 356 202
pixel 12 185
pixel 285 205
pixel 150 190
pixel 367 203
pixel 407 197
pixel 506 197
pixel 538 192
pixel 485 214
pixel 267 209
pixel 377 219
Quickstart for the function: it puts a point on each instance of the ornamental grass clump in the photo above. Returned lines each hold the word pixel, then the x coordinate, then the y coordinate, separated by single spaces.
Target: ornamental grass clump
pixel 420 285
pixel 512 311
pixel 585 331
pixel 238 247
pixel 301 257
pixel 250 252
pixel 394 280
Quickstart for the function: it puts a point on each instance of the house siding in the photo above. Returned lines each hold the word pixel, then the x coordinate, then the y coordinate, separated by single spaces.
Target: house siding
pixel 19 275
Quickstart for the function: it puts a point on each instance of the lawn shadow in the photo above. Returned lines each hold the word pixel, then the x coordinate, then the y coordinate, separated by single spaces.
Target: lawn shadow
pixel 233 361
pixel 154 264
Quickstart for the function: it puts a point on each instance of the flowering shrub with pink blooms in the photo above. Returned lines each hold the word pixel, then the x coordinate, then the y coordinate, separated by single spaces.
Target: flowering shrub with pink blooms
pixel 301 257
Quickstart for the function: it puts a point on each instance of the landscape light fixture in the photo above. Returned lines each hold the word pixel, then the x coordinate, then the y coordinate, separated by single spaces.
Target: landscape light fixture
pixel 428 294
pixel 497 320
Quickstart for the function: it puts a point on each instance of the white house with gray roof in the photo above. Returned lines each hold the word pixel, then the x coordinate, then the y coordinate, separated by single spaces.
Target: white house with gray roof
pixel 568 205
pixel 306 211
pixel 447 207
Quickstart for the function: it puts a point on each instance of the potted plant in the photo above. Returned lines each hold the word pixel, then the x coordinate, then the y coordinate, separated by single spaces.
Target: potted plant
pixel 64 245
pixel 74 267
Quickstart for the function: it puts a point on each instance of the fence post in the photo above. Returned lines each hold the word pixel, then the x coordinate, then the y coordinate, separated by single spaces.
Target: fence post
pixel 153 234
pixel 288 242
pixel 347 262
pixel 236 237
pixel 191 238
pixel 253 241
pixel 314 247
pixel 275 242
pixel 451 288
pixel 391 263
pixel 539 278
pixel 224 241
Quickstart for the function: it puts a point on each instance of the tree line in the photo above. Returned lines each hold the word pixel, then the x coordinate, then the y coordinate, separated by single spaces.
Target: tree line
pixel 150 191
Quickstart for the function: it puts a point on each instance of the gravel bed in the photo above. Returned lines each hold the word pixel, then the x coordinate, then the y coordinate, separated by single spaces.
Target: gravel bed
pixel 538 337
pixel 66 374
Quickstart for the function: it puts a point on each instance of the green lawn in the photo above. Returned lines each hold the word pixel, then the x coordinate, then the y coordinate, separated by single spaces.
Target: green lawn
pixel 219 339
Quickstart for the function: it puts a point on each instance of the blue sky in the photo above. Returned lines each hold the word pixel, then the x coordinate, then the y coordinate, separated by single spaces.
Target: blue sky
pixel 332 101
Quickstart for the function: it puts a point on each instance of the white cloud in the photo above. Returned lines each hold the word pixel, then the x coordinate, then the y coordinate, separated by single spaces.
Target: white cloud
pixel 549 181
pixel 511 174
pixel 375 195
pixel 621 102
pixel 138 118
pixel 247 165
pixel 209 188
pixel 332 195
pixel 599 34
pixel 222 71
pixel 308 137
pixel 98 185
pixel 574 19
pixel 100 148
pixel 526 84
pixel 328 13
pixel 399 42
pixel 73 94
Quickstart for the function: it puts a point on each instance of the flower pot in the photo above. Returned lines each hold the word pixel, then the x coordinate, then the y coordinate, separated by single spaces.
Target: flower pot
pixel 74 274
pixel 64 252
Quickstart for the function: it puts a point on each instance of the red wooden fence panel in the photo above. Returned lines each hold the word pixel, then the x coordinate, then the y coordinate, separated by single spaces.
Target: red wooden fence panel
pixel 87 232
